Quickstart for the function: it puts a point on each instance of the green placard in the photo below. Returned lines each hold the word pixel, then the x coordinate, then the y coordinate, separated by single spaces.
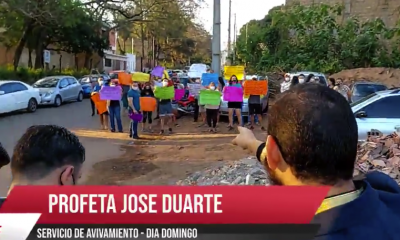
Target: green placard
pixel 210 97
pixel 164 92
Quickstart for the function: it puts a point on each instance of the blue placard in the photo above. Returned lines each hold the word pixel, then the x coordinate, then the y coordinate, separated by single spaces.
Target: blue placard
pixel 208 78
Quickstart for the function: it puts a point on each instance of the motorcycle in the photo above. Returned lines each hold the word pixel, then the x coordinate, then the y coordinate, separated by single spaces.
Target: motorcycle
pixel 186 105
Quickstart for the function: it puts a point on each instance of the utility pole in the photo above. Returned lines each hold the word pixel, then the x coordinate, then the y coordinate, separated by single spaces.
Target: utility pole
pixel 234 38
pixel 229 32
pixel 216 38
pixel 246 33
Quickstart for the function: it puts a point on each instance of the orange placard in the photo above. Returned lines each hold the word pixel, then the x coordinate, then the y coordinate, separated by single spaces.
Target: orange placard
pixel 148 104
pixel 101 105
pixel 124 78
pixel 252 87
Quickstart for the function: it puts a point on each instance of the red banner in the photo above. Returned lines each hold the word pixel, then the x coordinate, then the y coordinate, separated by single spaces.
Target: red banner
pixel 166 204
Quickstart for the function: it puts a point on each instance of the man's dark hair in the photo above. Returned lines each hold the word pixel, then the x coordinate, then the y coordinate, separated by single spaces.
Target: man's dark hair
pixel 4 157
pixel 316 132
pixel 44 148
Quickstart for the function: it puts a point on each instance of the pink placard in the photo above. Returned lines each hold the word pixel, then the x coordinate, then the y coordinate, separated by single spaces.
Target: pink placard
pixel 179 93
pixel 233 94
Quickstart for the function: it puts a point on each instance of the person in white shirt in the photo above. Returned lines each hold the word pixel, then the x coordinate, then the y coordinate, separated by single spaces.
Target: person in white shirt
pixel 285 85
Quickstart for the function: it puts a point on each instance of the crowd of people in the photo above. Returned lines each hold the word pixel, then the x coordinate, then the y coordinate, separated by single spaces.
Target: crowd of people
pixel 167 109
pixel 335 84
pixel 312 139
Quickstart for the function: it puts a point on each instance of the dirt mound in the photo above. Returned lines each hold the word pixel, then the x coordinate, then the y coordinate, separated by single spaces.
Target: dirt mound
pixel 388 76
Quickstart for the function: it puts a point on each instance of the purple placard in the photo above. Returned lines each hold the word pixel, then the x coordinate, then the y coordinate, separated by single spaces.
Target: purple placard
pixel 136 117
pixel 158 71
pixel 233 94
pixel 179 93
pixel 110 93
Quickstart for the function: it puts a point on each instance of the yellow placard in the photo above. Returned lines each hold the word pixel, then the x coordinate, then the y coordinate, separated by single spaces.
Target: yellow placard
pixel 140 77
pixel 165 75
pixel 234 70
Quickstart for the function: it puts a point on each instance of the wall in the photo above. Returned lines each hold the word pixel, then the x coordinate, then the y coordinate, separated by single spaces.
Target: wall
pixel 387 10
pixel 67 60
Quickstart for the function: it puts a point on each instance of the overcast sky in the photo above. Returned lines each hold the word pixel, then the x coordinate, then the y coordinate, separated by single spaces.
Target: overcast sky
pixel 245 10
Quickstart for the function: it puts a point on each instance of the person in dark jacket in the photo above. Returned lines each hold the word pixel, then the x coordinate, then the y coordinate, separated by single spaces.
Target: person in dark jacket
pixel 312 140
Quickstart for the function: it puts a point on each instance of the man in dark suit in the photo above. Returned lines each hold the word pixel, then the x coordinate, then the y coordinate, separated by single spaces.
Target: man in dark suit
pixel 312 140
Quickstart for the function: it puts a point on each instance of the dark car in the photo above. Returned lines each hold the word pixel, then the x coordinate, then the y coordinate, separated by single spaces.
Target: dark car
pixel 362 89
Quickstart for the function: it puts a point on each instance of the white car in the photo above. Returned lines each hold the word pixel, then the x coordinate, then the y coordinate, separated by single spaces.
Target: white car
pixel 16 95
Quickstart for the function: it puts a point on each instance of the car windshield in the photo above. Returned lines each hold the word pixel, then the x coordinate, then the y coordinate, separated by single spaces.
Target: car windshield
pixel 362 100
pixel 84 80
pixel 46 83
pixel 362 90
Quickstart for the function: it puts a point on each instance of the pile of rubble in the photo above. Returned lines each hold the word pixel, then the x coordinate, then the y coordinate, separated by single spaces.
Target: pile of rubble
pixel 380 153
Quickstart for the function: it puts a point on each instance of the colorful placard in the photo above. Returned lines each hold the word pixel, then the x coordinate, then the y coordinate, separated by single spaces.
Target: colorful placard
pixel 238 71
pixel 233 94
pixel 158 71
pixel 124 78
pixel 210 97
pixel 179 93
pixel 148 104
pixel 207 78
pixel 110 93
pixel 194 89
pixel 252 87
pixel 140 77
pixel 101 105
pixel 164 92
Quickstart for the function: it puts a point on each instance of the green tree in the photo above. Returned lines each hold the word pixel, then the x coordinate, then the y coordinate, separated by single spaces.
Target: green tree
pixel 311 38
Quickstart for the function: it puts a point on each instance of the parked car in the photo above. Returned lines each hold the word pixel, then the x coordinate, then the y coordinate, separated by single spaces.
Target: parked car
pixel 16 95
pixel 58 89
pixel 86 82
pixel 360 90
pixel 380 111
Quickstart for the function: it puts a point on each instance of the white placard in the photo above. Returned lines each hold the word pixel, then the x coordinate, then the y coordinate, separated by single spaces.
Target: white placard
pixel 194 88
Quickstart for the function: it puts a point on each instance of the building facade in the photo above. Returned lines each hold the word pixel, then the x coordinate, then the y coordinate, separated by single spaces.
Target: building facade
pixel 387 10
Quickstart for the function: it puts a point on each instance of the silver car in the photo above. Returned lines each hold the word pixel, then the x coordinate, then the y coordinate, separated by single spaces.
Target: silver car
pixel 378 111
pixel 58 89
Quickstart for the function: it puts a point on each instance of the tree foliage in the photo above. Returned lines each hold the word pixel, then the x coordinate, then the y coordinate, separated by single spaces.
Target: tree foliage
pixel 316 38
pixel 83 26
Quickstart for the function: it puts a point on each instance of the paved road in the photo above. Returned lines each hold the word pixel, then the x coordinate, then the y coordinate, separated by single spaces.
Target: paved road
pixel 76 117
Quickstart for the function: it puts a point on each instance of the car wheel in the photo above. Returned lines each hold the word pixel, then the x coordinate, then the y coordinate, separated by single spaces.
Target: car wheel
pixel 32 105
pixel 80 97
pixel 57 101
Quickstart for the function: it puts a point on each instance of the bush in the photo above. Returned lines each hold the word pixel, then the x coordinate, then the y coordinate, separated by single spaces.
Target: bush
pixel 30 76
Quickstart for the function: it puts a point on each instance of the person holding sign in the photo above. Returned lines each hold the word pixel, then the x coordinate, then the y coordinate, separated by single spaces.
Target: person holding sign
pixel 134 107
pixel 114 110
pixel 101 105
pixel 255 107
pixel 147 115
pixel 234 106
pixel 177 85
pixel 212 111
pixel 166 112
